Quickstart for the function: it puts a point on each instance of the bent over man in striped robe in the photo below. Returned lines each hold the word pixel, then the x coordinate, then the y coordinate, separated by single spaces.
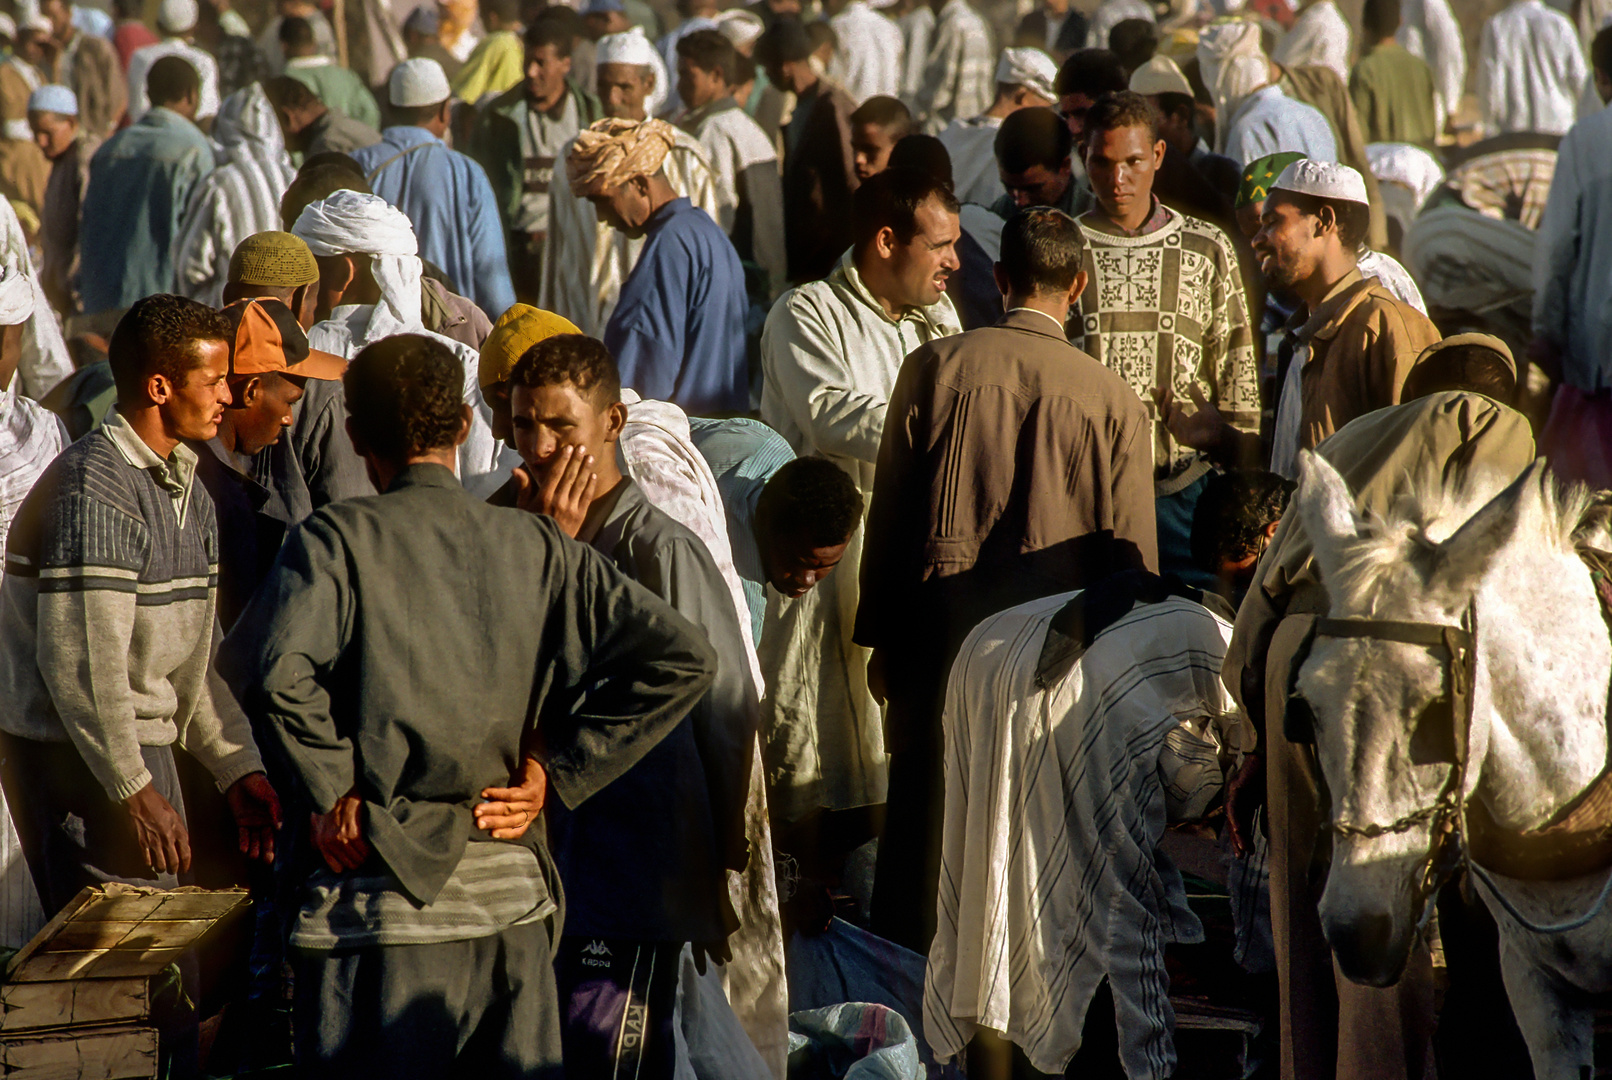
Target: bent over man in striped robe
pixel 239 198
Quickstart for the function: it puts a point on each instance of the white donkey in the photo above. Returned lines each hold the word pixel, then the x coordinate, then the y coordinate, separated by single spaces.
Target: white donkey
pixel 1511 731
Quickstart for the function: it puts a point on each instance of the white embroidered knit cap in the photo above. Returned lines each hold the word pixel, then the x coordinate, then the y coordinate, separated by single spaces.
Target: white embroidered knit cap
pixel 1324 180
pixel 53 98
pixel 417 81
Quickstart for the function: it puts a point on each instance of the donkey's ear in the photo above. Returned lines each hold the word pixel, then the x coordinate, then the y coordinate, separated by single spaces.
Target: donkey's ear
pixel 1465 556
pixel 1326 510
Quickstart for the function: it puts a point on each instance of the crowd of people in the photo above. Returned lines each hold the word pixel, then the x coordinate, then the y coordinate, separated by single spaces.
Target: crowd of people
pixel 558 502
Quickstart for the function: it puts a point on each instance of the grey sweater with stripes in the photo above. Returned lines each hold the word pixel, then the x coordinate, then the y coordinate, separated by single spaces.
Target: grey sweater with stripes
pixel 107 609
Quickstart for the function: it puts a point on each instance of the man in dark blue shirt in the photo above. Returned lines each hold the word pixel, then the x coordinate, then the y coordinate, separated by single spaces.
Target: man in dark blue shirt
pixel 678 329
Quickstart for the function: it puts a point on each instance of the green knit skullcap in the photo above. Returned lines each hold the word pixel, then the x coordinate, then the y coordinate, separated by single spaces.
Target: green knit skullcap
pixel 1260 175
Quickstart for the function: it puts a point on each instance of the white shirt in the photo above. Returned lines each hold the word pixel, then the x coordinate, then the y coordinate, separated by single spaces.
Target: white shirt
pixel 868 60
pixel 1431 32
pixel 1531 71
pixel 1319 38
pixel 1269 122
pixel 140 66
pixel 917 31
pixel 972 146
pixel 959 72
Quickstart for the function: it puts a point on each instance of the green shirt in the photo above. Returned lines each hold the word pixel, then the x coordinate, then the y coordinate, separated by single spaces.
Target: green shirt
pixel 1393 92
pixel 339 88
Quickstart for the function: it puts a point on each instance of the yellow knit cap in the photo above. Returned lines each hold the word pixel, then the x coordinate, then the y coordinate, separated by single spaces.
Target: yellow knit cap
pixel 517 330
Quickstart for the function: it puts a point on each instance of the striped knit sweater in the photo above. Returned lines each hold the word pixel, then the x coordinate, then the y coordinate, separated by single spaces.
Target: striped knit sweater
pixel 106 613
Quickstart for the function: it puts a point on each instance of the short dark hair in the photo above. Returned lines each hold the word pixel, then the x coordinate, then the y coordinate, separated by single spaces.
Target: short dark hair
pixel 416 115
pixel 820 34
pixel 156 337
pixel 1122 109
pixel 1475 369
pixel 710 50
pixel 811 498
pixel 1178 105
pixel 1354 219
pixel 508 11
pixel 172 79
pixel 887 112
pixel 1093 72
pixel 295 32
pixel 1041 251
pixel 1601 51
pixel 550 30
pixel 1379 19
pixel 315 182
pixel 1134 41
pixel 405 396
pixel 582 361
pixel 1233 510
pixel 284 92
pixel 926 154
pixel 891 199
pixel 1031 137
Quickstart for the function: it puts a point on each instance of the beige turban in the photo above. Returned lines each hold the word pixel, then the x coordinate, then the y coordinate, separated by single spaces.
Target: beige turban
pixel 613 151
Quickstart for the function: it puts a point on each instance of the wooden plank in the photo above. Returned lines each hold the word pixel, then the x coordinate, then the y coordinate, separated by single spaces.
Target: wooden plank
pixel 122 930
pixel 102 964
pixel 84 935
pixel 29 1006
pixel 85 895
pixel 114 1053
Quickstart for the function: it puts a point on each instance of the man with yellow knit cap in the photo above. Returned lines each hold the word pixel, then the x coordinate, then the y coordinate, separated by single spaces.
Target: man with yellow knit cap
pixel 516 330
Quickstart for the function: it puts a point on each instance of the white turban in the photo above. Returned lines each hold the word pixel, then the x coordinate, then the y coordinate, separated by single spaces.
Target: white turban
pixel 352 223
pixel 176 17
pixel 742 26
pixel 1233 66
pixel 632 47
pixel 16 296
pixel 1029 68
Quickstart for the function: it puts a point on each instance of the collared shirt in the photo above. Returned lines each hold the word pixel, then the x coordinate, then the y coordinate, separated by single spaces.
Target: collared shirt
pixel 1531 71
pixel 959 71
pixel 678 330
pixel 451 203
pixel 141 182
pixel 1158 217
pixel 173 473
pixel 1270 122
pixel 868 60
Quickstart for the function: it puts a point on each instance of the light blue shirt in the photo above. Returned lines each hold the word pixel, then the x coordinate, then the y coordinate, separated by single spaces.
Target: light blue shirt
pixel 141 181
pixel 1573 256
pixel 1270 122
pixel 743 455
pixel 451 203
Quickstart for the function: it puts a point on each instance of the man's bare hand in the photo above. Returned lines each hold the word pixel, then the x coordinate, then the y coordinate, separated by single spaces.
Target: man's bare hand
pixel 1245 793
pixel 256 807
pixel 509 810
pixel 339 835
pixel 567 493
pixel 158 830
pixel 1201 429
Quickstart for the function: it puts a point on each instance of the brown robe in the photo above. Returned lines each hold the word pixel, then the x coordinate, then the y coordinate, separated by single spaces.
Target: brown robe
pixel 1320 88
pixel 819 176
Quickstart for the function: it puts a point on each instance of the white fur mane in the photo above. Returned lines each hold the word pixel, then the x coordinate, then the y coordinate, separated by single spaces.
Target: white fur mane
pixel 1395 549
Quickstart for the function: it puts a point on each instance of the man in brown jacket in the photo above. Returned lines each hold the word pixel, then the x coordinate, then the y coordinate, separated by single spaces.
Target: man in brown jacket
pixel 1013 466
pixel 1350 344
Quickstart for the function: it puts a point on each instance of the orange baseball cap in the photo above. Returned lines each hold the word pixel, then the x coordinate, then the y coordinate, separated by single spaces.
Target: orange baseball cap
pixel 269 340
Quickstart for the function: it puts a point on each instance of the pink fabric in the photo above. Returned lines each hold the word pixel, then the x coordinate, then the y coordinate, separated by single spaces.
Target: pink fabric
pixel 1577 439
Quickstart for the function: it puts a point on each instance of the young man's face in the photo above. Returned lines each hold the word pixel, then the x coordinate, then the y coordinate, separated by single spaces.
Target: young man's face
pixel 1120 163
pixel 546 70
pixel 192 409
pixel 794 566
pixel 261 410
pixel 1037 185
pixel 53 132
pixel 624 90
pixel 547 419
pixel 870 146
pixel 921 266
pixel 698 87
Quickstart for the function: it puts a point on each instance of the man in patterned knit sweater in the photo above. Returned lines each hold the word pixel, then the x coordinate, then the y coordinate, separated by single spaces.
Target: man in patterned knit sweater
pixel 1164 309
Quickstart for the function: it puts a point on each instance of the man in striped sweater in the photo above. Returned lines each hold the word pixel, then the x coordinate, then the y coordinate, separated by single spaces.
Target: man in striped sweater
pixel 106 628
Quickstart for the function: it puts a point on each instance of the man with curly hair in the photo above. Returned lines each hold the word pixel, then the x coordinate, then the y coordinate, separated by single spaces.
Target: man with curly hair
pixel 423 937
pixel 106 628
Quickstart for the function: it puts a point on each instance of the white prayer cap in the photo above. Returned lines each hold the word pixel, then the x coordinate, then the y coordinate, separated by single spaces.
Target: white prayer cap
pixel 1324 180
pixel 16 296
pixel 418 81
pixel 1160 76
pixel 177 16
pixel 351 222
pixel 741 27
pixel 53 98
pixel 8 27
pixel 32 20
pixel 1029 68
pixel 633 48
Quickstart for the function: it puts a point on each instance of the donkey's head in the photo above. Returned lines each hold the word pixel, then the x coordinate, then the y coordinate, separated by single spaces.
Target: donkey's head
pixel 1385 728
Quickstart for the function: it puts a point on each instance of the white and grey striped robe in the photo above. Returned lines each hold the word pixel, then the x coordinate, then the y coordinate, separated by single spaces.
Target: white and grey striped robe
pixel 237 199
